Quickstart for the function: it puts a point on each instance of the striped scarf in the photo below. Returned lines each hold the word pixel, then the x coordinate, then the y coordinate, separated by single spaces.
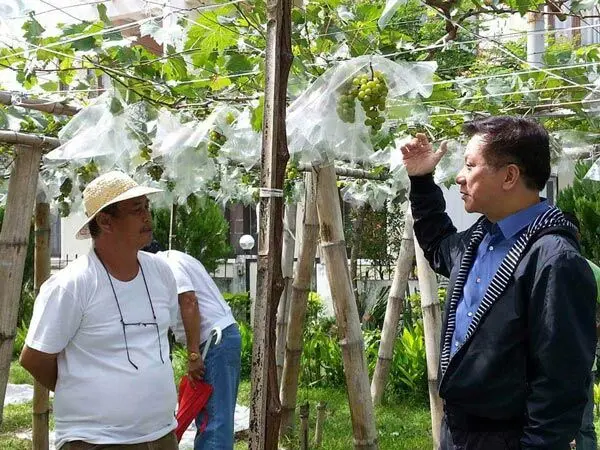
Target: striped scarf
pixel 551 218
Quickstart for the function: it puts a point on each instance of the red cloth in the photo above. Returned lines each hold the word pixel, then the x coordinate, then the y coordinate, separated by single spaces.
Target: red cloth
pixel 193 396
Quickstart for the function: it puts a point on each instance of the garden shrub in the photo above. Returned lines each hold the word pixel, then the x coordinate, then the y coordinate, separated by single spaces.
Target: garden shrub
pixel 201 231
pixel 583 200
pixel 240 305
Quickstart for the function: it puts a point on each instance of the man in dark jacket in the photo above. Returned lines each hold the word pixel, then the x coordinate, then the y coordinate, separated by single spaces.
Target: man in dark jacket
pixel 518 334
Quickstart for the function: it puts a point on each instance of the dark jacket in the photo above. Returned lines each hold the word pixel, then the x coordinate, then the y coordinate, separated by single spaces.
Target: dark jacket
pixel 529 355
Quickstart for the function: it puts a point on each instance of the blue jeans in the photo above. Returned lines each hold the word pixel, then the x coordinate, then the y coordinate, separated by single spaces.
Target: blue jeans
pixel 586 437
pixel 222 371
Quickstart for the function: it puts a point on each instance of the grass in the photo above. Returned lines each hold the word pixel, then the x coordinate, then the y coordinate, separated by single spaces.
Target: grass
pixel 18 375
pixel 401 425
pixel 17 418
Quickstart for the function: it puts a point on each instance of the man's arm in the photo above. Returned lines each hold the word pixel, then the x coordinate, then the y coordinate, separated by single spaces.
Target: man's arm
pixel 433 228
pixel 190 315
pixel 562 343
pixel 43 366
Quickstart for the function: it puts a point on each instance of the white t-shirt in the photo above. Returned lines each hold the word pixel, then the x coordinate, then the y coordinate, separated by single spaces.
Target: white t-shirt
pixel 100 397
pixel 191 275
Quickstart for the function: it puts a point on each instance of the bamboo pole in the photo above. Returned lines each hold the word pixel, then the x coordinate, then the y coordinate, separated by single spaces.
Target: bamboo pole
pixel 355 249
pixel 47 106
pixel 393 310
pixel 13 250
pixel 309 236
pixel 265 408
pixel 350 336
pixel 25 139
pixel 173 226
pixel 350 173
pixel 320 424
pixel 432 326
pixel 304 412
pixel 41 407
pixel 287 268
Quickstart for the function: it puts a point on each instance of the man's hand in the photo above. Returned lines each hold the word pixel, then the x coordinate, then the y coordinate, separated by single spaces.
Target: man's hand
pixel 196 369
pixel 419 157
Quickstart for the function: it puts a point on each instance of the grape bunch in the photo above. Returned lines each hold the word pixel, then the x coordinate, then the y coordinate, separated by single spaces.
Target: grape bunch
pixel 371 91
pixel 292 176
pixel 216 142
pixel 346 105
pixel 155 171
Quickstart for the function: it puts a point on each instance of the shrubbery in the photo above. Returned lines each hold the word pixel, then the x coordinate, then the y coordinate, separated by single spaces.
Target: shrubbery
pixel 201 231
pixel 321 361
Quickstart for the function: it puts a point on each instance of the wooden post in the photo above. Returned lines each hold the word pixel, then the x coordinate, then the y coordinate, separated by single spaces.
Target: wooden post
pixel 304 412
pixel 432 327
pixel 13 250
pixel 265 408
pixel 333 247
pixel 287 268
pixel 309 237
pixel 393 310
pixel 41 407
pixel 321 410
pixel 173 225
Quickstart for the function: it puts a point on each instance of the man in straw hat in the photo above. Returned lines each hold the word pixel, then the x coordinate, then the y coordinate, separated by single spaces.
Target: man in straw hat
pixel 98 335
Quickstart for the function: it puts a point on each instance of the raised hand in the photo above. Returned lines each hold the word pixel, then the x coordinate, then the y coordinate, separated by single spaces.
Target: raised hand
pixel 419 157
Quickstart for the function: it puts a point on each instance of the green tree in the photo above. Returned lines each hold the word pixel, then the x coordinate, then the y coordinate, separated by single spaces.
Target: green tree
pixel 583 199
pixel 201 231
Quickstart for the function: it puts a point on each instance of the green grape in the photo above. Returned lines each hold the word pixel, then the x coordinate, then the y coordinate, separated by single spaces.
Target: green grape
pixel 64 209
pixel 216 141
pixel 155 171
pixel 370 89
pixel 66 187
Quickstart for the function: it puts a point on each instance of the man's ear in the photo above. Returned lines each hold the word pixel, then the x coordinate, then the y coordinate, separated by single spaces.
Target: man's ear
pixel 512 177
pixel 104 222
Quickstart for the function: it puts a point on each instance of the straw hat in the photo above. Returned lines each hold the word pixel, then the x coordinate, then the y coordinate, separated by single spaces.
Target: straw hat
pixel 107 189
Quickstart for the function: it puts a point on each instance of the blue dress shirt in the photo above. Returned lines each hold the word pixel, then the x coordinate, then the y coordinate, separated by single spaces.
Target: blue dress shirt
pixel 492 250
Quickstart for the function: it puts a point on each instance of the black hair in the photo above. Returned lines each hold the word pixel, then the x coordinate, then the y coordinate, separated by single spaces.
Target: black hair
pixel 515 140
pixel 153 247
pixel 93 225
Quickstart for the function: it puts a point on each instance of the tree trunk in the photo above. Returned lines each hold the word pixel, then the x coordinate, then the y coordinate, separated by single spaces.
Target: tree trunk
pixel 265 408
pixel 393 310
pixel 297 313
pixel 432 325
pixel 41 407
pixel 287 268
pixel 13 250
pixel 349 332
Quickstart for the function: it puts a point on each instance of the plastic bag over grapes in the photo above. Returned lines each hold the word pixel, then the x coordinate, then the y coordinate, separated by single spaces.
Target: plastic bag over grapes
pixel 342 113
